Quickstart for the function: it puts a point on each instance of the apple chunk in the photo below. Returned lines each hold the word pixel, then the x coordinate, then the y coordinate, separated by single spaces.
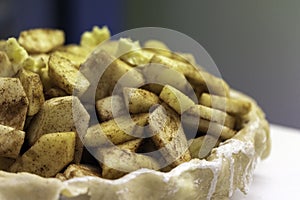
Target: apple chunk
pixel 48 156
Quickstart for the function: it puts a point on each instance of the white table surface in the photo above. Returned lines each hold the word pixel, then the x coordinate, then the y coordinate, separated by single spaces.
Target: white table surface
pixel 277 177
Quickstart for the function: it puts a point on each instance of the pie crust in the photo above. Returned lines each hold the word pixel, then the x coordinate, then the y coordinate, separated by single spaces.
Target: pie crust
pixel 229 167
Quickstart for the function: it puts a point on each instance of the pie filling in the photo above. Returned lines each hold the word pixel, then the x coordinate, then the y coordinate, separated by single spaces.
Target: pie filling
pixel 80 110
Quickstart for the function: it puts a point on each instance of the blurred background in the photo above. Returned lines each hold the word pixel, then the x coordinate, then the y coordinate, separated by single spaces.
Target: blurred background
pixel 255 44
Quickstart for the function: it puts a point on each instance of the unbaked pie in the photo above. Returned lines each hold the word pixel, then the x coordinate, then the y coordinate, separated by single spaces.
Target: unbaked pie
pixel 157 126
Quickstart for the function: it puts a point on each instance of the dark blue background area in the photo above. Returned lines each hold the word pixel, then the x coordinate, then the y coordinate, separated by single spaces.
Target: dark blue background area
pixel 80 15
pixel 72 16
